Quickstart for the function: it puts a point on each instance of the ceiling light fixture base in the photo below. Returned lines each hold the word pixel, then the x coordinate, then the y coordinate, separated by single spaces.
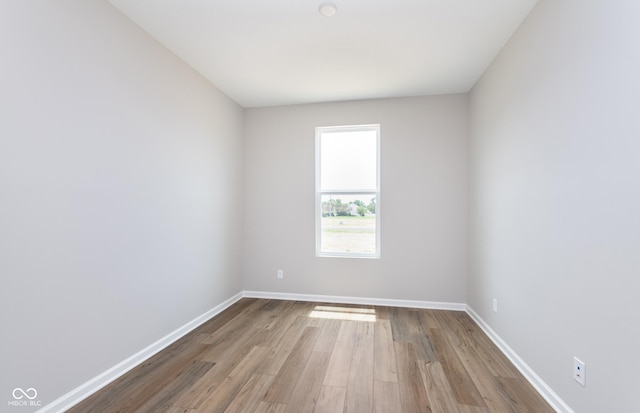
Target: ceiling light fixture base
pixel 328 8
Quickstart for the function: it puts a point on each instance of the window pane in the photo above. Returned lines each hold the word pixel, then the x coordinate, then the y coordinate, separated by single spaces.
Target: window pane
pixel 348 223
pixel 348 160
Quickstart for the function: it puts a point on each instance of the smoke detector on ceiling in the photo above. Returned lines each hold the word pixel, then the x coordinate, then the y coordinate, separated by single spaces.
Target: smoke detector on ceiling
pixel 328 8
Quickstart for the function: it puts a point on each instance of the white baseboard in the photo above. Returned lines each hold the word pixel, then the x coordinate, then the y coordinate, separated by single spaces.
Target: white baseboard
pixel 83 391
pixel 545 391
pixel 434 305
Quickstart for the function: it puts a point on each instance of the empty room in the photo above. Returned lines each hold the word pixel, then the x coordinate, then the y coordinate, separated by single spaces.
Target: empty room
pixel 319 206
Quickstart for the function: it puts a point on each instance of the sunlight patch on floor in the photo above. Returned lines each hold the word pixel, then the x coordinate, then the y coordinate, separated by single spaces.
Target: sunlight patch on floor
pixel 344 313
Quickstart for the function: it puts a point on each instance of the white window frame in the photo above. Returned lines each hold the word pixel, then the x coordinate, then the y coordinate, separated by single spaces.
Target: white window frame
pixel 352 191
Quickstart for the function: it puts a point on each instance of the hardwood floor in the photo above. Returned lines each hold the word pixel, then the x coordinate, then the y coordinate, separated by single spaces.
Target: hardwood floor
pixel 291 357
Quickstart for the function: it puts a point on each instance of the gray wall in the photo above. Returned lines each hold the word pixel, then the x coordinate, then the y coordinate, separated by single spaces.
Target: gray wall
pixel 423 200
pixel 120 200
pixel 555 197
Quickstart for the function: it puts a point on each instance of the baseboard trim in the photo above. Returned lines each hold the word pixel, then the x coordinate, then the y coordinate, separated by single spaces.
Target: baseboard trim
pixel 541 387
pixel 385 302
pixel 85 390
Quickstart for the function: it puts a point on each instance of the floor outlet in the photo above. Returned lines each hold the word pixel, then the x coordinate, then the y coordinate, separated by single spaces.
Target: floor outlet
pixel 579 371
pixel 280 274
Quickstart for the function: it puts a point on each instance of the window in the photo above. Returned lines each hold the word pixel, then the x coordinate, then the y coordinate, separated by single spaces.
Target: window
pixel 348 191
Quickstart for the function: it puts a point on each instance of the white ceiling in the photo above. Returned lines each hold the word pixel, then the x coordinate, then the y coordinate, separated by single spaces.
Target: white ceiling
pixel 276 52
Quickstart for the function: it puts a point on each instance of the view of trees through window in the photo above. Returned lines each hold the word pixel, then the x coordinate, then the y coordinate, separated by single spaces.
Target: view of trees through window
pixel 337 208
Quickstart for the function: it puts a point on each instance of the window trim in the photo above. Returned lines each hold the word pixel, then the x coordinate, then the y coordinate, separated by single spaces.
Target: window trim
pixel 352 191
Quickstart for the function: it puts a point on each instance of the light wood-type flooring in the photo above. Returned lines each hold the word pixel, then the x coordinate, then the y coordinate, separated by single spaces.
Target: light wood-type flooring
pixel 262 356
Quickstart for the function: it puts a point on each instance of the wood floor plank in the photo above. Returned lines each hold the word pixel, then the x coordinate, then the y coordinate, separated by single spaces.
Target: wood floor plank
pixel 439 391
pixel 243 339
pixel 242 319
pixel 270 305
pixel 268 407
pixel 224 394
pixel 307 391
pixel 423 346
pixel 331 399
pixel 227 315
pixel 251 394
pixel 271 321
pixel 360 386
pixel 404 324
pixel 365 327
pixel 234 328
pixel 413 395
pixel 229 358
pixel 407 327
pixel 384 366
pixel 381 312
pixel 464 408
pixel 458 377
pixel 166 397
pixel 386 397
pixel 328 334
pixel 288 376
pixel 428 320
pixel 340 363
pixel 291 312
pixel 179 410
pixel 278 315
pixel 281 349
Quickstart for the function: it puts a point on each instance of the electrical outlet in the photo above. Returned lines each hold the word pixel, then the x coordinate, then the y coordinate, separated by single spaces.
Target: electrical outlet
pixel 495 305
pixel 579 371
pixel 280 274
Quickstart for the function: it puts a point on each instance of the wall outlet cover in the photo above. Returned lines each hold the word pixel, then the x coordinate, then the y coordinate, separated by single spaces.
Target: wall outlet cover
pixel 579 371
